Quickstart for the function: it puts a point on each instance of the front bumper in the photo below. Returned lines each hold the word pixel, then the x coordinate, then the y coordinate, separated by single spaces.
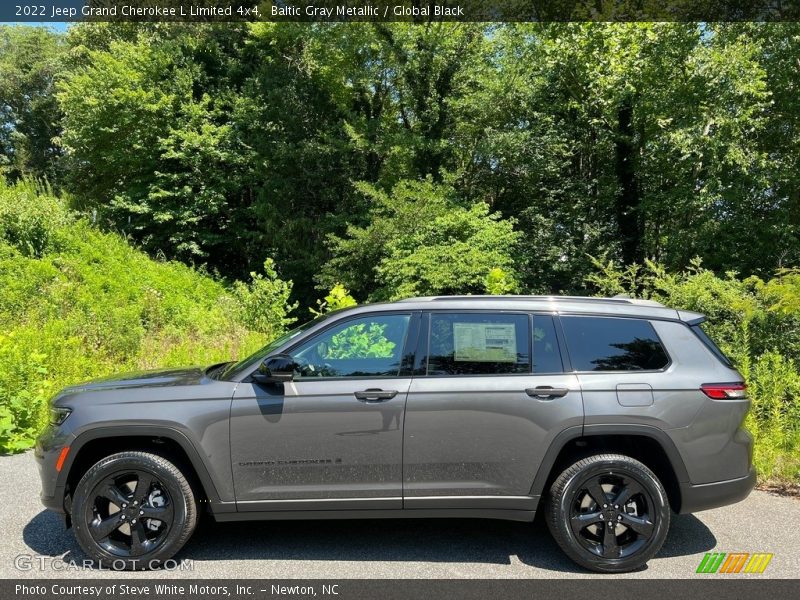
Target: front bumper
pixel 46 452
pixel 695 498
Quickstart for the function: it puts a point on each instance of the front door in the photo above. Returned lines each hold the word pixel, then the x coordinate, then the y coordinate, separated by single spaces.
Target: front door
pixel 487 402
pixel 332 437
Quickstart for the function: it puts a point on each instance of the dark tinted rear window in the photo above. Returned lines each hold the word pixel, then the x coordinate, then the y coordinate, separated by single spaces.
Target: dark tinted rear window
pixel 613 344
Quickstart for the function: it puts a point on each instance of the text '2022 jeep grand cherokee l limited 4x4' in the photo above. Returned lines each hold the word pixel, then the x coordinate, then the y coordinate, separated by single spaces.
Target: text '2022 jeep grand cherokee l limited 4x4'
pixel 605 413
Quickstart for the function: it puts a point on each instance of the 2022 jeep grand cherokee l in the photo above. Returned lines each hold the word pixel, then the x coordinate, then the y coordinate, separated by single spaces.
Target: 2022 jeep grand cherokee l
pixel 606 413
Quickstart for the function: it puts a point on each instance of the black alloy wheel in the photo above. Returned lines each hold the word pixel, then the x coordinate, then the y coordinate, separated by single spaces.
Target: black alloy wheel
pixel 131 514
pixel 609 513
pixel 133 511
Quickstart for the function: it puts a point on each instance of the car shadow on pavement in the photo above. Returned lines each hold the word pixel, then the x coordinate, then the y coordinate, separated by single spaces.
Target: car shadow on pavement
pixel 407 540
pixel 45 535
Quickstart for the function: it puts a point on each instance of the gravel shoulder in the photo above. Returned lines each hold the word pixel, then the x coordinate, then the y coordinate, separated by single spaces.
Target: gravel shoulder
pixel 401 548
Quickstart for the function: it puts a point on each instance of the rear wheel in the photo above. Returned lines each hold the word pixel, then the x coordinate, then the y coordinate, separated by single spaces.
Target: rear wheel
pixel 133 511
pixel 609 513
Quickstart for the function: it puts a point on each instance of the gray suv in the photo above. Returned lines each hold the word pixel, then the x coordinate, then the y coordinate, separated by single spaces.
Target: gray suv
pixel 608 414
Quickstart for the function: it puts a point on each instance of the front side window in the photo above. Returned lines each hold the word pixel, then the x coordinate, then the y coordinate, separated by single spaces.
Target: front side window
pixel 613 344
pixel 478 344
pixel 370 346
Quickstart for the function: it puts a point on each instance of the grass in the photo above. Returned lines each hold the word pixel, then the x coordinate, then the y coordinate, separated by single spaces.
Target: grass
pixel 77 303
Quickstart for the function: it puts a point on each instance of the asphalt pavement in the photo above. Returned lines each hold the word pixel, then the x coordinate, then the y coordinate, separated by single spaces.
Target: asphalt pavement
pixel 36 545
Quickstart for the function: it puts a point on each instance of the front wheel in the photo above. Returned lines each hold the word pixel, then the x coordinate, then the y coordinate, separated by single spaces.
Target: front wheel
pixel 133 511
pixel 609 513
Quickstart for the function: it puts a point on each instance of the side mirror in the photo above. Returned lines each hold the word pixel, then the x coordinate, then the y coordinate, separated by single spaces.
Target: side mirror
pixel 276 369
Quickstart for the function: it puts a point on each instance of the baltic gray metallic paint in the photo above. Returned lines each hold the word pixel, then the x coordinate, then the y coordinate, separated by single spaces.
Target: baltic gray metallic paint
pixel 310 439
pixel 184 400
pixel 479 435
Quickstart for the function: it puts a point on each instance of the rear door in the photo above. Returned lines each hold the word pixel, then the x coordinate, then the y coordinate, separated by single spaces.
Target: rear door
pixel 488 396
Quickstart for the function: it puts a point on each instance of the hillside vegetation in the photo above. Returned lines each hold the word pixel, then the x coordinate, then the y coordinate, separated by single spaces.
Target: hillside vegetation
pixel 76 303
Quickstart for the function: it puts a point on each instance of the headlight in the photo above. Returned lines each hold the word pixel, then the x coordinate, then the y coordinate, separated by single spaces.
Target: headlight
pixel 58 415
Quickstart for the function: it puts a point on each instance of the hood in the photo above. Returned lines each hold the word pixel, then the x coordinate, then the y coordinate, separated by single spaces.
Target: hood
pixel 142 379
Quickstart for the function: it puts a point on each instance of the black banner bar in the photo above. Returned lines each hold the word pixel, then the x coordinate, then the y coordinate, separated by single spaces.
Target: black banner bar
pixel 711 587
pixel 398 10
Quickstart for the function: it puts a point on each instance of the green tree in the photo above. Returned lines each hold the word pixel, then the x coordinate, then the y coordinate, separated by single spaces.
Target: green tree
pixel 30 119
pixel 420 240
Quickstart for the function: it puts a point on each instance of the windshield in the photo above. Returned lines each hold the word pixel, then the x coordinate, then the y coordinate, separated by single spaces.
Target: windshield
pixel 261 354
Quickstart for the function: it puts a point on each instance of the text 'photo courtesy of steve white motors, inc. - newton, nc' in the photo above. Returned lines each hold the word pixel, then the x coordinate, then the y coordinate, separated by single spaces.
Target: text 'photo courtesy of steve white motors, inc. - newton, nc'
pixel 222 10
pixel 143 590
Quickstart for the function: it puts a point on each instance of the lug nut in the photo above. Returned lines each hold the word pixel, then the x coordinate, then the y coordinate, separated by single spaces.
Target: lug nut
pixel 616 506
pixel 133 522
pixel 601 517
pixel 141 512
pixel 122 517
pixel 605 505
pixel 135 502
pixel 124 505
pixel 619 518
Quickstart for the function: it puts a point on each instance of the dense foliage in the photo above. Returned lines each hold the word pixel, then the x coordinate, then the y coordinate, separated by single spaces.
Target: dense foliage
pixel 225 145
pixel 76 303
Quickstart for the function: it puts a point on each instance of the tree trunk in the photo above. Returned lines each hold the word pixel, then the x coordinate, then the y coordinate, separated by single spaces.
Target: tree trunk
pixel 630 221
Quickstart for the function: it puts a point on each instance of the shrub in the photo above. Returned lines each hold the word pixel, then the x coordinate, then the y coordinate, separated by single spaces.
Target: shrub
pixel 339 297
pixel 29 219
pixel 263 302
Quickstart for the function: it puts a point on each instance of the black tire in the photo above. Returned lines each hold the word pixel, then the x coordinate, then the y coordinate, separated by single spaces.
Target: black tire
pixel 124 527
pixel 579 521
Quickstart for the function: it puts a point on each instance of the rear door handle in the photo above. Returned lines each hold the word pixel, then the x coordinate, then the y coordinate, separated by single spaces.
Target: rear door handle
pixel 546 391
pixel 375 395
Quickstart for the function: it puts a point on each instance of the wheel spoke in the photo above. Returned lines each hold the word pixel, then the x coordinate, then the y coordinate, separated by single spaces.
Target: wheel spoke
pixel 641 525
pixel 101 529
pixel 596 492
pixel 610 546
pixel 580 521
pixel 139 540
pixel 628 490
pixel 143 484
pixel 115 495
pixel 162 513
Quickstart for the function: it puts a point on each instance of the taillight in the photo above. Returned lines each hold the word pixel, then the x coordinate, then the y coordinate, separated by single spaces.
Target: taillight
pixel 724 391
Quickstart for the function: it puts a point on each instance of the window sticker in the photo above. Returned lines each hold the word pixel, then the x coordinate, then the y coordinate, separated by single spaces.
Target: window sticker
pixel 485 342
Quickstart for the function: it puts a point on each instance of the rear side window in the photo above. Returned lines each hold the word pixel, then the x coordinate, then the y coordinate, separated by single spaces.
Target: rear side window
pixel 478 344
pixel 613 344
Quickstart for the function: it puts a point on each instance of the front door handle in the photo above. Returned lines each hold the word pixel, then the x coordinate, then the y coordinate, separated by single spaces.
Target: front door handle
pixel 375 395
pixel 546 391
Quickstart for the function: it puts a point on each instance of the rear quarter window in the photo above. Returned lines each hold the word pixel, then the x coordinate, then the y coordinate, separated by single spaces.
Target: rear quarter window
pixel 709 343
pixel 613 344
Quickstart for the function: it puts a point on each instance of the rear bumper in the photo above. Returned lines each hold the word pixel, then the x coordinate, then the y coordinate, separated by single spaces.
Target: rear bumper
pixel 695 498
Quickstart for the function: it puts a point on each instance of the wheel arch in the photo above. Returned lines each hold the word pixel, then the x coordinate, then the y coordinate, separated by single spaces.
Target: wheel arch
pixel 647 444
pixel 92 445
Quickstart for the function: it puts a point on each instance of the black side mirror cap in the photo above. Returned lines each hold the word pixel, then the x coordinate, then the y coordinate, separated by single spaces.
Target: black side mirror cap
pixel 276 369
